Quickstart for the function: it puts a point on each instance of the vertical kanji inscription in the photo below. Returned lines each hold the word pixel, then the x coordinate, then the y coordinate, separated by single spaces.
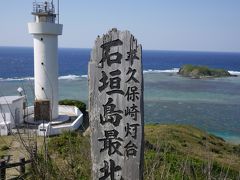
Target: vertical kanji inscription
pixel 116 107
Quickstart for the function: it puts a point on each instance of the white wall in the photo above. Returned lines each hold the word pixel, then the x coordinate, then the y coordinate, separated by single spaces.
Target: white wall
pixel 7 112
pixel 45 38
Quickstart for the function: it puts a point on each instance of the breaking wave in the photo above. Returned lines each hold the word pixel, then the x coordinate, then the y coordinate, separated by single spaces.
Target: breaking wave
pixel 17 79
pixel 234 72
pixel 72 77
pixel 174 70
pixel 67 77
pixel 78 77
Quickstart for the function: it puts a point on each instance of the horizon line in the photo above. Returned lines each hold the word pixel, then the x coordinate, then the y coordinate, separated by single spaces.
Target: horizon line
pixel 171 50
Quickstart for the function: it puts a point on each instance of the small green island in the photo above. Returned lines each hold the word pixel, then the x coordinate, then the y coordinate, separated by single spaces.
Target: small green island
pixel 199 72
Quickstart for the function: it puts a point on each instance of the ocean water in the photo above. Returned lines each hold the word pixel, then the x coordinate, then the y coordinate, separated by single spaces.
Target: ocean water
pixel 210 104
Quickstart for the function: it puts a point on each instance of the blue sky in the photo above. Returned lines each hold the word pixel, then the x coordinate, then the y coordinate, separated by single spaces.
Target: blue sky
pixel 198 25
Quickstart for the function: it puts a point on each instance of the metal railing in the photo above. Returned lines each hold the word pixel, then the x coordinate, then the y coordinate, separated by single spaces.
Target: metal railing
pixel 43 7
pixel 46 8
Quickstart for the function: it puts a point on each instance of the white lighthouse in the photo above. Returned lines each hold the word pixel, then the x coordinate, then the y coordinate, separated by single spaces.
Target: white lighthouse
pixel 45 33
pixel 49 117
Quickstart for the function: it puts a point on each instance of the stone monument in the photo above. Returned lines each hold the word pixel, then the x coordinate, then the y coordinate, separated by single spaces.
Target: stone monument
pixel 116 107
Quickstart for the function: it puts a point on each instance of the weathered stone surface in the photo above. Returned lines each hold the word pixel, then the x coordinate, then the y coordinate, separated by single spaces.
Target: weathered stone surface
pixel 116 107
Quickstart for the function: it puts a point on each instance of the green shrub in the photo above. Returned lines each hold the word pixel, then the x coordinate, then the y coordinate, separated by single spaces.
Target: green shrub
pixel 236 149
pixel 4 148
pixel 43 168
pixel 74 149
pixel 61 143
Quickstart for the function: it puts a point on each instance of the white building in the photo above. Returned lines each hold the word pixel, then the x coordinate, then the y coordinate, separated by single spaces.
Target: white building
pixel 11 113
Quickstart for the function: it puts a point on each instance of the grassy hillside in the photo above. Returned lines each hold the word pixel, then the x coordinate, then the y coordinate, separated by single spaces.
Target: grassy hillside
pixel 171 152
pixel 177 151
pixel 202 72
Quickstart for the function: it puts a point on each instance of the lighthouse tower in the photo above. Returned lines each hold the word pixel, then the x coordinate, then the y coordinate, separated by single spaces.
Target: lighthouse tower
pixel 45 31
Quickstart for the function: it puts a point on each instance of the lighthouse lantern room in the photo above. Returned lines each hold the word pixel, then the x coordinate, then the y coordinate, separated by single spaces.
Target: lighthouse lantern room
pixel 45 33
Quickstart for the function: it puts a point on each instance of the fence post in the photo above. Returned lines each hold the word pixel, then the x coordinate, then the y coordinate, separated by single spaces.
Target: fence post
pixel 35 151
pixel 2 169
pixel 22 166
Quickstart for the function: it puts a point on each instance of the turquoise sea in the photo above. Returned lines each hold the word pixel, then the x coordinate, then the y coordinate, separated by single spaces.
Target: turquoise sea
pixel 210 104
